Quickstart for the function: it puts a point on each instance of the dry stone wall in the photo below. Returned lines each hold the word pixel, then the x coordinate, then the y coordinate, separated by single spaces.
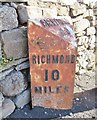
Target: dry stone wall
pixel 14 64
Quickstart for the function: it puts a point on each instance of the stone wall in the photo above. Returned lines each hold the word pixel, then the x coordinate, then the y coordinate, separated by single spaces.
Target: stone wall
pixel 14 64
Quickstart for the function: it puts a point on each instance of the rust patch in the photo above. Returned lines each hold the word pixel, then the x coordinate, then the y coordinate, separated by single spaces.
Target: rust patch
pixel 52 55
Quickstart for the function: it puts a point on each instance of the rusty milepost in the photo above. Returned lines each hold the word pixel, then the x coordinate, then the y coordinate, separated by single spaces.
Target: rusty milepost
pixel 52 55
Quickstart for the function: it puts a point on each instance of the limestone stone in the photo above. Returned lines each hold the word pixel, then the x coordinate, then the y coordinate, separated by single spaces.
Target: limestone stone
pixel 82 71
pixel 89 13
pixel 91 31
pixel 22 99
pixel 45 4
pixel 81 25
pixel 92 46
pixel 13 5
pixel 84 55
pixel 83 40
pixel 13 0
pixel 32 2
pixel 52 5
pixel 86 2
pixel 7 108
pixel 68 2
pixel 96 57
pixel 79 11
pixel 82 33
pixel 15 43
pixel 28 12
pixel 49 1
pixel 76 19
pixel 95 5
pixel 63 11
pixel 94 21
pixel 1 99
pixel 81 49
pixel 84 114
pixel 96 46
pixel 83 63
pixel 75 6
pixel 92 57
pixel 13 84
pixel 87 80
pixel 8 18
pixel 5 73
pixel 22 66
pixel 92 41
pixel 77 67
pixel 95 12
pixel 83 59
pixel 47 12
pixel 91 65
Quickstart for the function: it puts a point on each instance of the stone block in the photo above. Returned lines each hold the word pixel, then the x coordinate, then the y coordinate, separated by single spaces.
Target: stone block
pixel 86 2
pixel 76 19
pixel 95 12
pixel 47 12
pixel 5 73
pixel 75 6
pixel 67 2
pixel 49 1
pixel 22 99
pixel 95 6
pixel 8 18
pixel 82 33
pixel 13 84
pixel 79 11
pixel 28 12
pixel 91 31
pixel 1 99
pixel 22 66
pixel 77 68
pixel 83 40
pixel 63 11
pixel 96 58
pixel 13 0
pixel 81 25
pixel 15 43
pixel 7 108
pixel 14 5
pixel 32 2
pixel 92 41
pixel 88 13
